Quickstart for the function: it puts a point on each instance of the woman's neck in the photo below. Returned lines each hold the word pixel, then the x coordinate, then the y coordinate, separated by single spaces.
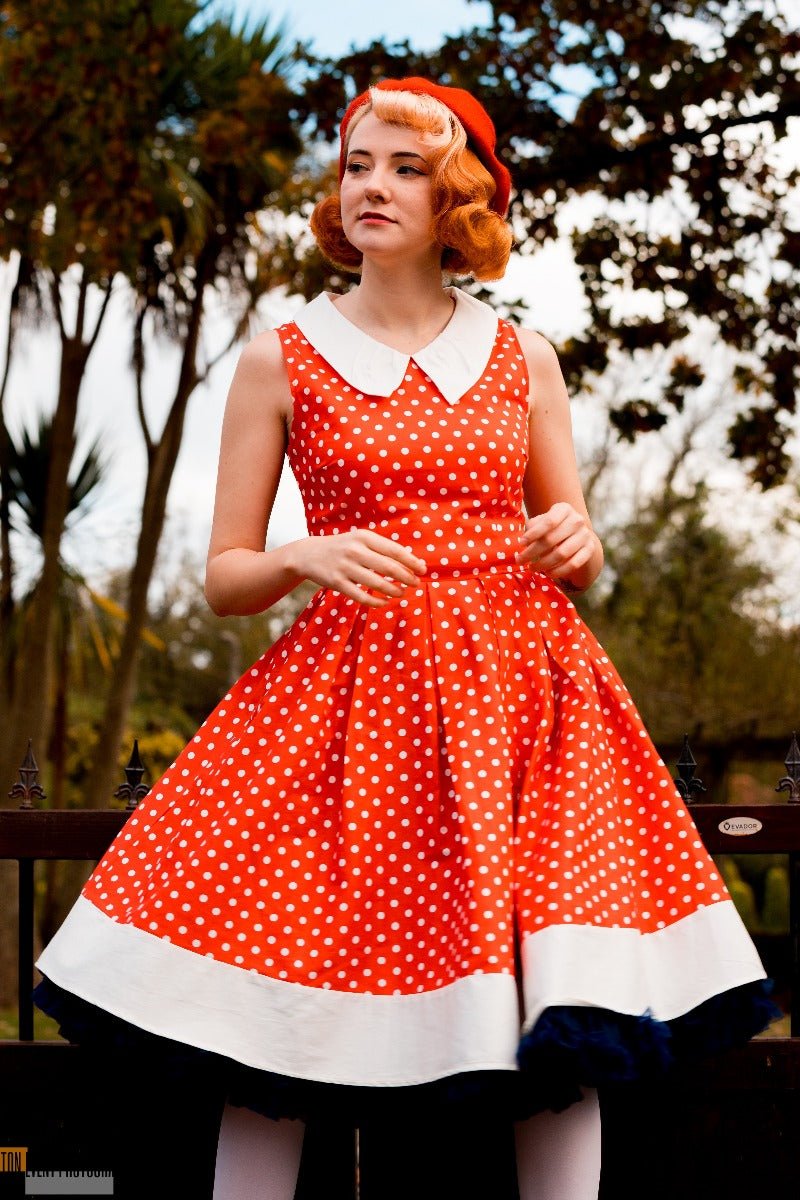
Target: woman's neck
pixel 404 308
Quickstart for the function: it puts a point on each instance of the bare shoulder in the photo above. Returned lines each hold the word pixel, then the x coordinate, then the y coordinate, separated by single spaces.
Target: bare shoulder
pixel 262 356
pixel 546 387
pixel 260 381
pixel 540 355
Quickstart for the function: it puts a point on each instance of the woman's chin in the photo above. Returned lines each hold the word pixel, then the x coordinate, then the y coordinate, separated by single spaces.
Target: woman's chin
pixel 382 253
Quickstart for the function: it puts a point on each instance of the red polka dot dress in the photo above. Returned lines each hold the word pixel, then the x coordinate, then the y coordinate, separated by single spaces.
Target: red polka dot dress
pixel 427 842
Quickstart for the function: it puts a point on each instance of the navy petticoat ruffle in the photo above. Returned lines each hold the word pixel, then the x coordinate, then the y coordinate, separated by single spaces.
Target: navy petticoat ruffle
pixel 571 1045
pixel 568 1047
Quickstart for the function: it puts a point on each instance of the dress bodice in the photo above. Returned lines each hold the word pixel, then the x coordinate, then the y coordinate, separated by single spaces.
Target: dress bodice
pixel 415 458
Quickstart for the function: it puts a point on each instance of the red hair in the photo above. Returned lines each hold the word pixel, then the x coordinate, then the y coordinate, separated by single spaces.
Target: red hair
pixel 475 240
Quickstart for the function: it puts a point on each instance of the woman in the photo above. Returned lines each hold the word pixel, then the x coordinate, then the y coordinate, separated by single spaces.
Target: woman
pixel 424 850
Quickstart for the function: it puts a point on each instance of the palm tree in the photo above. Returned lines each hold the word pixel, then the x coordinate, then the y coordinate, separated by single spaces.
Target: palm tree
pixel 87 625
pixel 28 463
pixel 85 617
pixel 228 160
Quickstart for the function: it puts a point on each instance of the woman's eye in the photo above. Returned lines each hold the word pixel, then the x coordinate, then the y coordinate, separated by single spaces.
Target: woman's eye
pixel 408 170
pixel 355 167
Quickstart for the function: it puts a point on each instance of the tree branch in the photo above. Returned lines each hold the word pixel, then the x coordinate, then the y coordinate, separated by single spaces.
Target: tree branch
pixel 100 316
pixel 80 316
pixel 55 296
pixel 138 368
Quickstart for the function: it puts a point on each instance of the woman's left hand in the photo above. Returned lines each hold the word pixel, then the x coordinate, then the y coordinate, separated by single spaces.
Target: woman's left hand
pixel 559 542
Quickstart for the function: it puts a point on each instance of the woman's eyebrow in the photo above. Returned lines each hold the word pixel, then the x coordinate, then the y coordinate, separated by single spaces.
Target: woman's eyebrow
pixel 396 154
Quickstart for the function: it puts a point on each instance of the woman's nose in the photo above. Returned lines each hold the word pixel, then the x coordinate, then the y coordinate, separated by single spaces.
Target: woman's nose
pixel 377 186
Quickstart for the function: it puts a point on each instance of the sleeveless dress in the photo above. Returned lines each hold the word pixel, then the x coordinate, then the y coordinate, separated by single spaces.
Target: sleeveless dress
pixel 423 851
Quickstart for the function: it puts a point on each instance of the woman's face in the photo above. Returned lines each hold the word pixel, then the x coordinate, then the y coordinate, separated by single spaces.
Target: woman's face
pixel 386 193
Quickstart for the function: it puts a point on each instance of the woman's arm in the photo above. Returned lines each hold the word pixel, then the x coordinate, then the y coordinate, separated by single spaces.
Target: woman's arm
pixel 558 537
pixel 241 576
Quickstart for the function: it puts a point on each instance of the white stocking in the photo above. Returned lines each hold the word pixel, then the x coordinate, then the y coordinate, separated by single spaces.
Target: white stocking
pixel 257 1158
pixel 558 1154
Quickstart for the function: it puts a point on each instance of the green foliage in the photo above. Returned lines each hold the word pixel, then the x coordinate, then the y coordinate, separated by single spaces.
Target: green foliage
pixel 87 625
pixel 775 909
pixel 81 747
pixel 161 732
pixel 28 466
pixel 226 154
pixel 755 867
pixel 744 898
pixel 759 887
pixel 45 1029
pixel 158 747
pixel 84 87
pixel 729 870
pixel 180 127
pixel 683 617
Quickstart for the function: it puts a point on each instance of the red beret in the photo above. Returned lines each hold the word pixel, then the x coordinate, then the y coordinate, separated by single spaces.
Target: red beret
pixel 470 112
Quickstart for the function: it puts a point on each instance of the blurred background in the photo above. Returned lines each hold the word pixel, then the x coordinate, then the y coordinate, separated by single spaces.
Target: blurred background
pixel 158 162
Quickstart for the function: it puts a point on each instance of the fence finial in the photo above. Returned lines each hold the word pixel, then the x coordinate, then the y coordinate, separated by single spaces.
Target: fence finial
pixel 686 782
pixel 791 780
pixel 133 789
pixel 27 786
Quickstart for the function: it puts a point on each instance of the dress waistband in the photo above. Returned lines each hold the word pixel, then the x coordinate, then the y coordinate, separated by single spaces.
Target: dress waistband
pixel 435 573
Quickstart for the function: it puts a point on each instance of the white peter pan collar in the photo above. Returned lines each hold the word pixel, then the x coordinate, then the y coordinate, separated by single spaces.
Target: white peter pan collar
pixel 455 359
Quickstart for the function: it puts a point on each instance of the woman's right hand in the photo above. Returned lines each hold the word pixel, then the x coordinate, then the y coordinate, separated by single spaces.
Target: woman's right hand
pixel 358 562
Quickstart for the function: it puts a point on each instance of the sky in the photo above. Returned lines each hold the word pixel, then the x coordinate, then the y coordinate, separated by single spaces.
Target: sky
pixel 333 29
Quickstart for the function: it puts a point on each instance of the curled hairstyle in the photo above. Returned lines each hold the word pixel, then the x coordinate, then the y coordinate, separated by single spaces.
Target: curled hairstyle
pixel 475 240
